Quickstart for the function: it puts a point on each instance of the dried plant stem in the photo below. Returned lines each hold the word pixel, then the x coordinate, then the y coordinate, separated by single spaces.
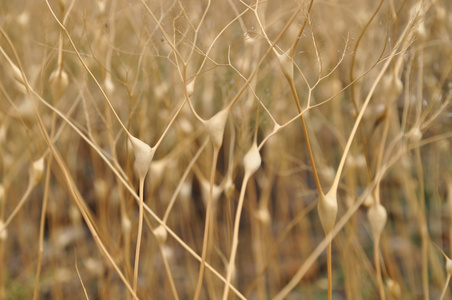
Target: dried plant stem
pixel 139 236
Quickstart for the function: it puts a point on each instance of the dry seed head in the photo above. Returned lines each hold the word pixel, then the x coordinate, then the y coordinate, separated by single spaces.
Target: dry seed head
pixel 75 215
pixel 252 160
pixel 229 187
pixel 415 135
pixel 205 189
pixel 186 191
pixel 263 215
pixel 101 188
pixel 25 111
pixel 36 170
pixel 191 88
pixel 23 19
pixel 185 125
pixel 167 251
pixel 161 90
pixel 360 161
pixel 286 65
pixel 377 216
pixel 143 156
pixel 126 225
pixel 94 266
pixel 449 266
pixel 328 174
pixel 394 288
pixel 101 6
pixel 215 127
pixel 17 75
pixel 392 87
pixel 327 208
pixel 109 86
pixel 58 84
pixel 160 234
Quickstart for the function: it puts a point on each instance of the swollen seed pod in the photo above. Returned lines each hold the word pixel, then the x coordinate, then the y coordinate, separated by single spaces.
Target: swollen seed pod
pixel 101 6
pixel 377 216
pixel 94 267
pixel 191 88
pixel 23 19
pixel 263 215
pixel 286 65
pixel 36 170
pixel 229 187
pixel 205 188
pixel 449 266
pixel 215 127
pixel 415 135
pixel 185 125
pixel 160 234
pixel 394 288
pixel 143 156
pixel 327 209
pixel 252 160
pixel 126 225
pixel 25 111
pixel 17 75
pixel 58 84
pixel 109 85
pixel 101 188
pixel 75 215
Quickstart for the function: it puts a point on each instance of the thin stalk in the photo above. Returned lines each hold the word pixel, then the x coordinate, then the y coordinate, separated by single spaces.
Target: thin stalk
pixel 446 285
pixel 235 238
pixel 139 236
pixel 378 268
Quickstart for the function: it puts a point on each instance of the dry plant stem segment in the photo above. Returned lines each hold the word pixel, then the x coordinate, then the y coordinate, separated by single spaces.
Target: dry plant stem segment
pixel 80 278
pixel 423 227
